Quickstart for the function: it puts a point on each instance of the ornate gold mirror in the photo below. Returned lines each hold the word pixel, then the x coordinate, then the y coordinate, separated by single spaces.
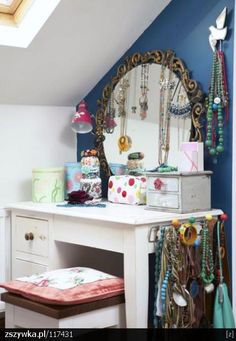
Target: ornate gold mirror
pixel 151 106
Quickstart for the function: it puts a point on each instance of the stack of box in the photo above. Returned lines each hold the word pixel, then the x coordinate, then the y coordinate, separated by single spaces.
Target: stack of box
pixel 90 168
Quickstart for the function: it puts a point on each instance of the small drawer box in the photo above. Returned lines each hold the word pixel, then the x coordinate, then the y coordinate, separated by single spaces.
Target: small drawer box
pixel 179 192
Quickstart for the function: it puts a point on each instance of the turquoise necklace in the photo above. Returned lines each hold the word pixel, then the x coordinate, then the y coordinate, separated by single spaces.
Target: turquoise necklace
pixel 215 119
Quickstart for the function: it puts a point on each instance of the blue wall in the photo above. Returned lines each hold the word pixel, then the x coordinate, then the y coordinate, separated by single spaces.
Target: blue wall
pixel 183 27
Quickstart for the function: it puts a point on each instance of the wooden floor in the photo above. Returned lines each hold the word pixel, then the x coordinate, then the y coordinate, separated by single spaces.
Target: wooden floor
pixel 2 320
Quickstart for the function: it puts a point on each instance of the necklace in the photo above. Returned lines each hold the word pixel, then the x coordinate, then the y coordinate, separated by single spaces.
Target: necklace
pixel 143 100
pixel 207 266
pixel 217 101
pixel 109 122
pixel 158 253
pixel 166 87
pixel 124 141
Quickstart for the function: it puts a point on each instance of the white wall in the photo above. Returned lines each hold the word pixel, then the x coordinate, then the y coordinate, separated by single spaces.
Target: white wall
pixel 32 136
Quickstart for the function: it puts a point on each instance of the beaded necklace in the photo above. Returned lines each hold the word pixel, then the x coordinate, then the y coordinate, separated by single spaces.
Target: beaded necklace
pixel 217 101
pixel 207 266
pixel 178 306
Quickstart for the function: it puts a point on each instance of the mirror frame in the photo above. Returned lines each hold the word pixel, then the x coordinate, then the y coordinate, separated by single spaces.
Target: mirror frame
pixel 167 58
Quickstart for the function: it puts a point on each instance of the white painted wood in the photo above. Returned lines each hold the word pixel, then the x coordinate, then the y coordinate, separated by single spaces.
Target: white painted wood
pixel 5 250
pixel 25 318
pixel 114 213
pixel 194 191
pixel 98 234
pixel 163 200
pixel 39 229
pixel 23 268
pixel 122 228
pixel 100 318
pixel 168 184
pixel 9 316
pixel 234 178
pixel 136 277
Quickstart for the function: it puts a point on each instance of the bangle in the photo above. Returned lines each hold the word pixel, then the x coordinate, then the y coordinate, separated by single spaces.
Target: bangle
pixel 188 234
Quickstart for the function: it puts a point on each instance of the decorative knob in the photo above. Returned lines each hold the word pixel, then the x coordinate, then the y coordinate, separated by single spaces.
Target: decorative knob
pixel 29 236
pixel 158 184
pixel 223 217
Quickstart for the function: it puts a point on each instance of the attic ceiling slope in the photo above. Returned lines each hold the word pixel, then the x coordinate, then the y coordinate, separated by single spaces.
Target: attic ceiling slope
pixel 77 45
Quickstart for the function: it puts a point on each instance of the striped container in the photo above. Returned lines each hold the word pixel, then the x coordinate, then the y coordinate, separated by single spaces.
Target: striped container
pixel 48 185
pixel 73 175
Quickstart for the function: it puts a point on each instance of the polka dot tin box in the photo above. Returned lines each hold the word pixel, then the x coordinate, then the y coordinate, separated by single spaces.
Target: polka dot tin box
pixel 127 189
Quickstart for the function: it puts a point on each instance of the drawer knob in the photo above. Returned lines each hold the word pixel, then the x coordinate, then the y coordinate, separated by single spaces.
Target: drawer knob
pixel 29 236
pixel 158 184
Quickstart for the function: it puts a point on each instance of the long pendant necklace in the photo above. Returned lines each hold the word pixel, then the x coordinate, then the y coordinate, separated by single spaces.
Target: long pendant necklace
pixel 124 141
pixel 217 102
pixel 164 115
pixel 207 266
pixel 143 100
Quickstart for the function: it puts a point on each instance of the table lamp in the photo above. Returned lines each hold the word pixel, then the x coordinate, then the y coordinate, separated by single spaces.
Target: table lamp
pixel 81 121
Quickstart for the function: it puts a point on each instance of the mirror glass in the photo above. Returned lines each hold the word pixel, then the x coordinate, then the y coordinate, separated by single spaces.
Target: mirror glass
pixel 135 106
pixel 150 105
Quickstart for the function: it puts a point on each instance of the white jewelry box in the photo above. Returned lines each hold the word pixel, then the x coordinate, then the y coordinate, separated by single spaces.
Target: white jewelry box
pixel 179 192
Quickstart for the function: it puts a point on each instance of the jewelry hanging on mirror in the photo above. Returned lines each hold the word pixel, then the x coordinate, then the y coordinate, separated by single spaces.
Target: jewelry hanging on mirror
pixel 143 100
pixel 180 106
pixel 109 122
pixel 124 141
pixel 217 100
pixel 134 91
pixel 166 87
pixel 122 96
pixel 180 110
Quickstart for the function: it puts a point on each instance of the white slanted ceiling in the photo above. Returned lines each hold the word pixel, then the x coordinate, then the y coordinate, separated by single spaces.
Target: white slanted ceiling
pixel 78 44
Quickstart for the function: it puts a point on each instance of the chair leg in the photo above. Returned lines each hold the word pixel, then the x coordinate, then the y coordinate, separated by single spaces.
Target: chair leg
pixel 9 316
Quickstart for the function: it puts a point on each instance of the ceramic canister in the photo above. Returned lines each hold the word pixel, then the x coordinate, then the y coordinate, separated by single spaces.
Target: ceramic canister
pixel 90 165
pixel 92 186
pixel 72 177
pixel 48 185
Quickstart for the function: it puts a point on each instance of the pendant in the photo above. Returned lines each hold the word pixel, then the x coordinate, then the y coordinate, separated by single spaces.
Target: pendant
pixel 194 288
pixel 209 288
pixel 217 100
pixel 179 300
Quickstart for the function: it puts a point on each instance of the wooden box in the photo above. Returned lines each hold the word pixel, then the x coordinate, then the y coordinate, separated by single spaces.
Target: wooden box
pixel 180 192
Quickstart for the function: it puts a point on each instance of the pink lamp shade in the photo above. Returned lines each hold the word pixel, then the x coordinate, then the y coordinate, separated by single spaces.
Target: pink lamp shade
pixel 81 121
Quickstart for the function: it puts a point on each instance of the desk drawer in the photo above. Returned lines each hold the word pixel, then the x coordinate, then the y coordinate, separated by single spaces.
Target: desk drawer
pixel 162 200
pixel 32 236
pixel 23 268
pixel 163 184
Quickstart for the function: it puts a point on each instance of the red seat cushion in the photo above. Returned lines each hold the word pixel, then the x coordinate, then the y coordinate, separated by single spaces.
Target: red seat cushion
pixel 67 286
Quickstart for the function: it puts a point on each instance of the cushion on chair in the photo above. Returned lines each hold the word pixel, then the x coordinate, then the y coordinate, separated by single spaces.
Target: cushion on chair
pixel 67 286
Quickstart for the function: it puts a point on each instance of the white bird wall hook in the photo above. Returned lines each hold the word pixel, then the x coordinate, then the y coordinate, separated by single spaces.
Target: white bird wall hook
pixel 219 32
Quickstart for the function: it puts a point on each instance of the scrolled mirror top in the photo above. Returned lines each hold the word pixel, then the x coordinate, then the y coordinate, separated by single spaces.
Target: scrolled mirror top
pixel 182 87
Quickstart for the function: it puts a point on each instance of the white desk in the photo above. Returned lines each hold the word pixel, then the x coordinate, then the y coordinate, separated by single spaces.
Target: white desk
pixel 119 228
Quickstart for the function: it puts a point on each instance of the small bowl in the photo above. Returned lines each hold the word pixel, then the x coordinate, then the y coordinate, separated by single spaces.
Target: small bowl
pixel 117 168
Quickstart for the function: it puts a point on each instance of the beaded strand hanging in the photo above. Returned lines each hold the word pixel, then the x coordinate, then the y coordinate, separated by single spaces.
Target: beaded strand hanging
pixel 217 106
pixel 217 100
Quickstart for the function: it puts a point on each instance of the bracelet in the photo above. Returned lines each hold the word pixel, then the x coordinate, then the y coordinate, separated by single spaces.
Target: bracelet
pixel 188 234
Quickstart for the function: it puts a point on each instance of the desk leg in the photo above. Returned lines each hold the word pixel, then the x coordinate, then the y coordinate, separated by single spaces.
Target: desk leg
pixel 136 277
